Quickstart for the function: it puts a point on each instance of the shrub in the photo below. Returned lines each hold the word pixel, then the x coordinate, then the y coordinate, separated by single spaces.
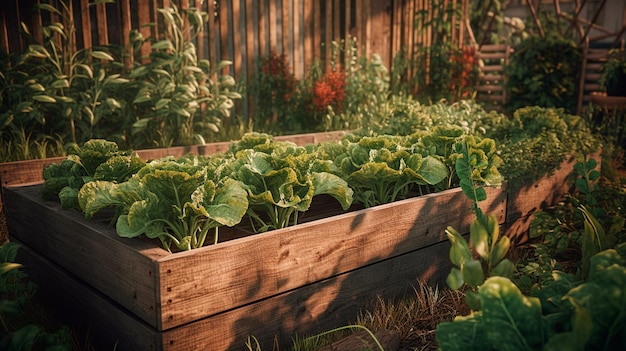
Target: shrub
pixel 543 72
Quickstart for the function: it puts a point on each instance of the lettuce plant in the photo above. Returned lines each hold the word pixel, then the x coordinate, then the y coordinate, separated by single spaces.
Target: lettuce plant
pixel 281 184
pixel 176 202
pixel 97 159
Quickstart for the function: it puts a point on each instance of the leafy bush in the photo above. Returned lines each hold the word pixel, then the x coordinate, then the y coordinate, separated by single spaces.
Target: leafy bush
pixel 20 330
pixel 543 72
pixel 536 140
pixel 578 309
pixel 178 100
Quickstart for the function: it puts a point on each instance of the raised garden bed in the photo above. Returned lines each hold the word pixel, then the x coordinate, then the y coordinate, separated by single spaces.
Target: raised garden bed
pixel 304 279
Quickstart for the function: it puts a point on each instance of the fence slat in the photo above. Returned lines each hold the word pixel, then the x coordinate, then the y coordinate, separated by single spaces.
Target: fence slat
pixel 243 30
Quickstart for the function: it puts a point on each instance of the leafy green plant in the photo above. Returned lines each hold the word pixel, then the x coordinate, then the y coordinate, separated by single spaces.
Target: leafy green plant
pixel 176 201
pixel 281 180
pixel 485 239
pixel 71 88
pixel 97 159
pixel 381 170
pixel 444 71
pixel 179 98
pixel 274 93
pixel 543 71
pixel 589 316
pixel 536 140
pixel 613 73
pixel 19 331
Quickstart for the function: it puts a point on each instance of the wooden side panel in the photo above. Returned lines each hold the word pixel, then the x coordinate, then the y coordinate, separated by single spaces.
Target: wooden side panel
pixel 285 259
pixel 24 172
pixel 523 203
pixel 121 269
pixel 311 309
pixel 91 315
pixel 314 308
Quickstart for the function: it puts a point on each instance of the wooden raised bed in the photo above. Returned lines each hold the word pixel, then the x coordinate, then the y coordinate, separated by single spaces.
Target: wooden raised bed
pixel 131 294
pixel 306 278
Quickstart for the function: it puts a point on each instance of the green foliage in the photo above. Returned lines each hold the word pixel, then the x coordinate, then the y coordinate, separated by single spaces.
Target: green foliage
pixel 543 72
pixel 588 316
pixel 381 169
pixel 367 86
pixel 485 239
pixel 613 72
pixel 53 94
pixel 19 331
pixel 176 201
pixel 444 71
pixel 71 88
pixel 282 180
pixel 178 101
pixel 536 140
pixel 274 93
pixel 97 159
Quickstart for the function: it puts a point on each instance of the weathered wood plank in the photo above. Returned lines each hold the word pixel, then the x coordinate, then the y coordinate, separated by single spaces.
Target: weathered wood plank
pixel 91 315
pixel 286 258
pixel 523 203
pixel 121 269
pixel 311 309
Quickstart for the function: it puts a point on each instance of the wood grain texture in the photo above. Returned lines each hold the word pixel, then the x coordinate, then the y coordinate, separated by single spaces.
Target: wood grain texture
pixel 169 290
pixel 314 308
pixel 304 279
pixel 524 202
pixel 124 270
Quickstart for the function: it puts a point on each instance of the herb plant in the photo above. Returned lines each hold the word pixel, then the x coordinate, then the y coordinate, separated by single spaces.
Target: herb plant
pixel 179 99
pixel 485 239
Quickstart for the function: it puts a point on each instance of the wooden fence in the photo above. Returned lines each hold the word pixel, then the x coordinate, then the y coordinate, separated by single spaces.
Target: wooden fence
pixel 243 30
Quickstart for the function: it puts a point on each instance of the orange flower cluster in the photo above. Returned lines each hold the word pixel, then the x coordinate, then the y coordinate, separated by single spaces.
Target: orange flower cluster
pixel 330 90
pixel 467 61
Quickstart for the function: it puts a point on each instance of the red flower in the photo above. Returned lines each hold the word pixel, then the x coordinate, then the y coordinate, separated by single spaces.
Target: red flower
pixel 330 90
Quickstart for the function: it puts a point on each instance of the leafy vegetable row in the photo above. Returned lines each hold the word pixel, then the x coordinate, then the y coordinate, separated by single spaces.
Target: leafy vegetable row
pixel 184 201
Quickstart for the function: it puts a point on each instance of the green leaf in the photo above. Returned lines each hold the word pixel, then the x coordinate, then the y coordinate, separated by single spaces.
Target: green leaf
pixel 473 273
pixel 163 45
pixel 465 333
pixel 603 296
pixel 504 268
pixel 500 250
pixel 455 279
pixel 459 250
pixel 479 237
pixel 44 98
pixel 333 185
pixel 8 266
pixel 512 321
pixel 102 55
